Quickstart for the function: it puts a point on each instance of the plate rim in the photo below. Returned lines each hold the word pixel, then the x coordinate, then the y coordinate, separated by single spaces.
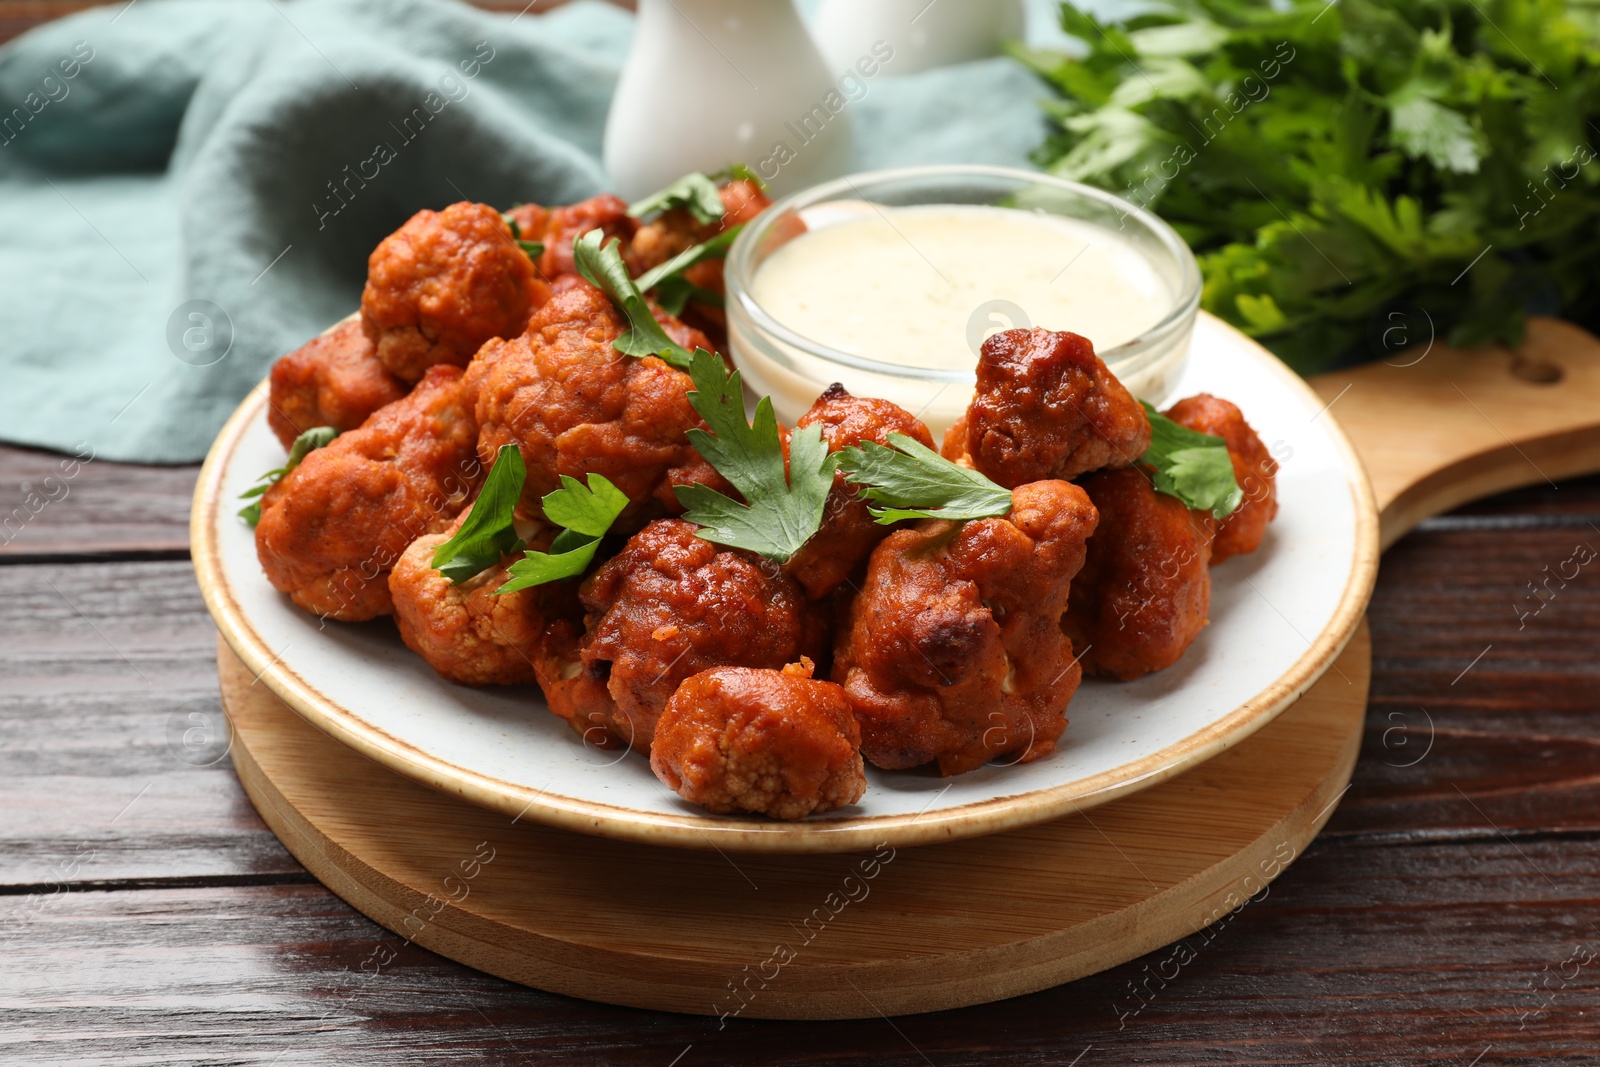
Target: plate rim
pixel 853 833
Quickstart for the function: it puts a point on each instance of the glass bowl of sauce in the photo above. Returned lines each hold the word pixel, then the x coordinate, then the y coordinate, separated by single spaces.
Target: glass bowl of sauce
pixel 890 281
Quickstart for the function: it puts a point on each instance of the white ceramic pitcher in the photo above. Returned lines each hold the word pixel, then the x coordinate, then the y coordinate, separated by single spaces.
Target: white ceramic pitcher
pixel 714 82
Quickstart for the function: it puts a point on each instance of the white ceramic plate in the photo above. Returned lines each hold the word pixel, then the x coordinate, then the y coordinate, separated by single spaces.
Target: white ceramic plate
pixel 1278 618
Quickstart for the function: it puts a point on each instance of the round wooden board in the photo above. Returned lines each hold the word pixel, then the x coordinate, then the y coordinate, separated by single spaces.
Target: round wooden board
pixel 801 936
pixel 848 935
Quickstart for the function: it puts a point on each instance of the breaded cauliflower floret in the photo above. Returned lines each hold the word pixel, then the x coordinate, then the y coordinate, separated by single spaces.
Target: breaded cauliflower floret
pixel 1046 407
pixel 672 604
pixel 1253 467
pixel 776 743
pixel 567 223
pixel 849 532
pixel 442 285
pixel 465 632
pixel 1145 589
pixel 574 405
pixel 953 651
pixel 333 380
pixel 332 529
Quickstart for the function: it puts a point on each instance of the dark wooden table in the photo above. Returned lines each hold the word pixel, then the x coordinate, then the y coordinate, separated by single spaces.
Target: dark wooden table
pixel 1447 915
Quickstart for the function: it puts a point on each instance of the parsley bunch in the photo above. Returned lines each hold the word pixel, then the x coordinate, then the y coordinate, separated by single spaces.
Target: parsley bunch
pixel 1353 175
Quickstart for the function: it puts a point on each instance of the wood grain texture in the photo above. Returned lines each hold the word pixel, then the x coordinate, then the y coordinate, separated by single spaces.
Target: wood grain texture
pixel 1438 427
pixel 57 507
pixel 785 936
pixel 1357 955
pixel 103 668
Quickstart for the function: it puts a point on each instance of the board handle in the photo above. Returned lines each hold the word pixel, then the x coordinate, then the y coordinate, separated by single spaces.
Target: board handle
pixel 1438 426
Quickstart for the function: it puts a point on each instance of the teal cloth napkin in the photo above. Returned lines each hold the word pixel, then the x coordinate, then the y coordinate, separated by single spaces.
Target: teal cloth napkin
pixel 188 189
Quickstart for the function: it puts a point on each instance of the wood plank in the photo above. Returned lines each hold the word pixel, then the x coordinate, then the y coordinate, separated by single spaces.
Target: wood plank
pixel 1356 955
pixel 19 16
pixel 55 506
pixel 1515 730
pixel 103 666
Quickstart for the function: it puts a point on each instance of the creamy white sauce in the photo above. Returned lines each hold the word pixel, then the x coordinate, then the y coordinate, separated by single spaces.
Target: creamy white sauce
pixel 922 286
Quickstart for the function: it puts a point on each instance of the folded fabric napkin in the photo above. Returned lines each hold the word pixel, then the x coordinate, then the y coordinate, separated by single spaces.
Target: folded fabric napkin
pixel 189 189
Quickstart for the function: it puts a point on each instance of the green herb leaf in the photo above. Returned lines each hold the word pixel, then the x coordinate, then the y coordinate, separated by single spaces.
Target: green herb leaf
pixel 587 512
pixel 310 441
pixel 675 293
pixel 489 530
pixel 739 172
pixel 716 248
pixel 1194 467
pixel 915 482
pixel 783 510
pixel 695 191
pixel 590 510
pixel 516 229
pixel 1352 176
pixel 602 266
pixel 533 249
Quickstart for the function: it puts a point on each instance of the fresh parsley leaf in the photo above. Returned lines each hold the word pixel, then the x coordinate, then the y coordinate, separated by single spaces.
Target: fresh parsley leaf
pixel 783 510
pixel 716 248
pixel 310 441
pixel 695 191
pixel 602 266
pixel 739 172
pixel 587 512
pixel 533 249
pixel 1194 467
pixel 915 482
pixel 676 292
pixel 489 530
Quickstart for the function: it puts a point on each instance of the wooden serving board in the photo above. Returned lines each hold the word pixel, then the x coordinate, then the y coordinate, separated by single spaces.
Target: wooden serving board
pixel 855 935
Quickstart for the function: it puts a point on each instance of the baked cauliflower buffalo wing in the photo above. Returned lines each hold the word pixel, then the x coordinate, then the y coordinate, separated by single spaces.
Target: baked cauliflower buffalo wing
pixel 953 651
pixel 671 605
pixel 1145 590
pixel 563 225
pixel 334 380
pixel 849 533
pixel 677 230
pixel 1046 407
pixel 1253 468
pixel 776 743
pixel 331 530
pixel 465 632
pixel 575 405
pixel 442 285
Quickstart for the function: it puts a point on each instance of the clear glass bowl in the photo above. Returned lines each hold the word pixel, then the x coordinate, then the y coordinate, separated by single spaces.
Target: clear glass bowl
pixel 793 369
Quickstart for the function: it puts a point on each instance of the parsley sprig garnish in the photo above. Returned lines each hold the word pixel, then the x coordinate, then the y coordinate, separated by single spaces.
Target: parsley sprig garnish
pixel 308 442
pixel 601 265
pixel 489 530
pixel 532 249
pixel 783 510
pixel 1194 467
pixel 673 290
pixel 695 191
pixel 587 513
pixel 912 481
